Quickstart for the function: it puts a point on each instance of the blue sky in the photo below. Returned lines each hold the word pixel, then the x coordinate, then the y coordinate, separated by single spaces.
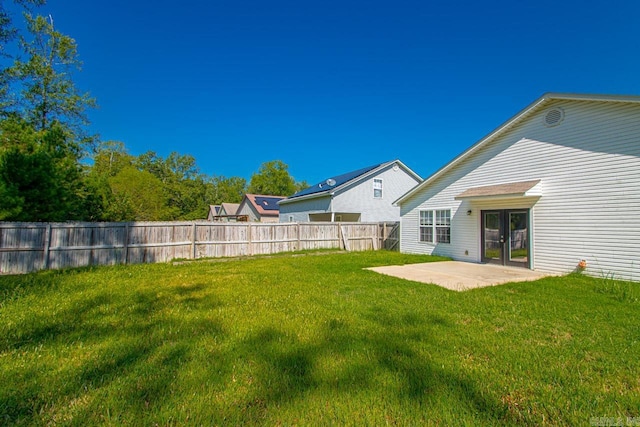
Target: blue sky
pixel 332 86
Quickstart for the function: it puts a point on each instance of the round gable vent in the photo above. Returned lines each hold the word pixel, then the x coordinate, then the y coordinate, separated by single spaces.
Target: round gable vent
pixel 553 117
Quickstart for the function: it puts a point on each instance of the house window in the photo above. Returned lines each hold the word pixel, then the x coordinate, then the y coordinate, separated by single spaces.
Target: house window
pixel 426 226
pixel 377 188
pixel 443 226
pixel 440 228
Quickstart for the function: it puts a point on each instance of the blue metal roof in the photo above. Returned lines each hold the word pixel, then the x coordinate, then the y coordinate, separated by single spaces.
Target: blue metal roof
pixel 268 203
pixel 333 182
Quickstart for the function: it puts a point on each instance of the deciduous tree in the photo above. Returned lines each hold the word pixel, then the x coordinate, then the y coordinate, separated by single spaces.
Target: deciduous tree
pixel 48 93
pixel 273 179
pixel 223 189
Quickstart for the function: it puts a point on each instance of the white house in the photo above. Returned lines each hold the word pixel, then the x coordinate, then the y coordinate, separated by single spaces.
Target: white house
pixel 556 184
pixel 260 208
pixel 364 195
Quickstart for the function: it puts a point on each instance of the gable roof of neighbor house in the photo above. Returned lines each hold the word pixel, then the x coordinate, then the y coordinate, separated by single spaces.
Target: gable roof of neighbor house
pixel 265 205
pixel 229 208
pixel 338 182
pixel 214 209
pixel 535 106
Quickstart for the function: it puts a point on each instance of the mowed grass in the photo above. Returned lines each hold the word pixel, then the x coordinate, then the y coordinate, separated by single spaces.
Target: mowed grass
pixel 312 340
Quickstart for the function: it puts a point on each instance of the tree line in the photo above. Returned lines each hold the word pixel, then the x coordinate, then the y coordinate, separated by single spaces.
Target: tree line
pixel 52 169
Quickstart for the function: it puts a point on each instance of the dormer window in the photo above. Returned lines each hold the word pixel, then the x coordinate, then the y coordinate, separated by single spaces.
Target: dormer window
pixel 377 188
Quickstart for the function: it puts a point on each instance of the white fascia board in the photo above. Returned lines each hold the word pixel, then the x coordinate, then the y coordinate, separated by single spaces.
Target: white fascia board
pixel 549 96
pixel 475 147
pixel 592 97
pixel 372 172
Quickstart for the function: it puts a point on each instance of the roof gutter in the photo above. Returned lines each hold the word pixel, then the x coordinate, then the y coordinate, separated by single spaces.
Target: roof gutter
pixel 305 197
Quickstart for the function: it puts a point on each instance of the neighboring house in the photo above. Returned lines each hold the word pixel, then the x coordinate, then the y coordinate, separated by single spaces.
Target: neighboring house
pixel 260 208
pixel 364 195
pixel 227 212
pixel 214 211
pixel 556 184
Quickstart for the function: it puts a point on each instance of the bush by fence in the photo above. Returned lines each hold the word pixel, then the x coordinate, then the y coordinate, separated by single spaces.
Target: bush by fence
pixel 26 247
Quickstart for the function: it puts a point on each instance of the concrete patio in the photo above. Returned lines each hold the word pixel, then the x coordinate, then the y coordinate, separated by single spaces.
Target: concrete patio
pixel 459 276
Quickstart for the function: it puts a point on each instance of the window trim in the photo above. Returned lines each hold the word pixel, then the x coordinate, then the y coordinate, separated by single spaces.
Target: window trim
pixel 439 221
pixel 446 225
pixel 376 180
pixel 426 227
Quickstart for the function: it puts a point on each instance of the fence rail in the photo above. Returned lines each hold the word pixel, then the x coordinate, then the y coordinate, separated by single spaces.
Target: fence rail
pixel 27 247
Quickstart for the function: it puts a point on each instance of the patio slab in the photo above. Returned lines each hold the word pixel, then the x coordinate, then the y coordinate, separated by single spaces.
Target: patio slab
pixel 459 276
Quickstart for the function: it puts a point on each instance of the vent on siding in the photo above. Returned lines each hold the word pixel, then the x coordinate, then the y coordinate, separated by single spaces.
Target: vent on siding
pixel 553 117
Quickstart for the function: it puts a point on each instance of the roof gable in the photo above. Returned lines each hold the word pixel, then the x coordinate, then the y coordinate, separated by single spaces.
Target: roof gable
pixel 535 106
pixel 339 182
pixel 229 208
pixel 264 204
pixel 334 182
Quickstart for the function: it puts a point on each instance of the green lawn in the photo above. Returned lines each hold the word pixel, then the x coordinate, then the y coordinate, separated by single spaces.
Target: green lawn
pixel 312 340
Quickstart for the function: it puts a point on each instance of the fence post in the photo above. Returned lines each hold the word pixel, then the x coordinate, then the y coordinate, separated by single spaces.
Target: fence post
pixel 298 245
pixel 345 239
pixel 47 246
pixel 126 243
pixel 193 240
pixel 249 251
pixel 272 236
pixel 374 237
pixel 384 235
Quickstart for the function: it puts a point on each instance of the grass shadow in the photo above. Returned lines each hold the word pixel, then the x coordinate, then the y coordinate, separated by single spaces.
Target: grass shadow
pixel 389 362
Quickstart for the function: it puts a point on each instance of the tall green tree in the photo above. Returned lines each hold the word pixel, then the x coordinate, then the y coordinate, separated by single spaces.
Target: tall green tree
pixel 40 176
pixel 109 158
pixel 137 196
pixel 47 91
pixel 273 179
pixel 8 31
pixel 8 34
pixel 184 186
pixel 229 190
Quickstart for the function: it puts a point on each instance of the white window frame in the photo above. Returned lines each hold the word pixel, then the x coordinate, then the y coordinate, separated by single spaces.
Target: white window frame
pixel 442 225
pixel 377 188
pixel 427 226
pixel 436 225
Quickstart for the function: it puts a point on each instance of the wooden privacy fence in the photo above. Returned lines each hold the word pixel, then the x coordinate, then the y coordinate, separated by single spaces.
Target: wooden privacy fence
pixel 26 247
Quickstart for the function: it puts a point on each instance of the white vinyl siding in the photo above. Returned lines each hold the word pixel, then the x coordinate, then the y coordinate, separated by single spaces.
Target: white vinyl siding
pixel 356 199
pixel 589 167
pixel 300 210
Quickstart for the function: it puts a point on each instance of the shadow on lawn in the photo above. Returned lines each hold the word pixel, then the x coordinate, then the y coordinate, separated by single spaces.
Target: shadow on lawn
pixel 130 354
pixel 287 370
pixel 132 347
